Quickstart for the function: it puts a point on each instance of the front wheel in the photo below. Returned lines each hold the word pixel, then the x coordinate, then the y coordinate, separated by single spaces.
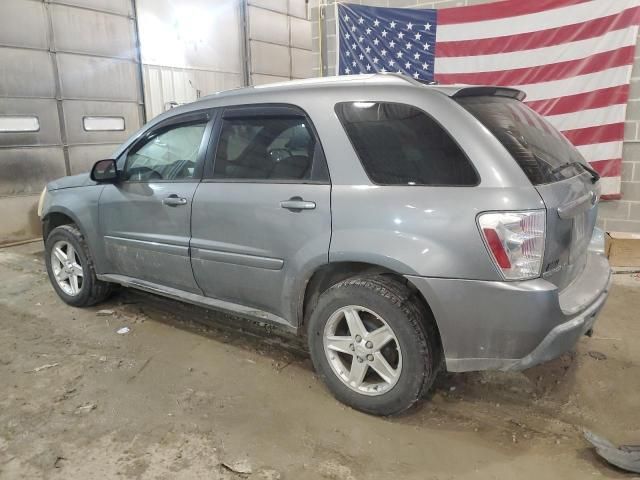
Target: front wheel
pixel 70 268
pixel 371 343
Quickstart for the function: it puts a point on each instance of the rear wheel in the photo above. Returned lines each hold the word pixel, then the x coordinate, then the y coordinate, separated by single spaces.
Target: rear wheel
pixel 371 344
pixel 70 268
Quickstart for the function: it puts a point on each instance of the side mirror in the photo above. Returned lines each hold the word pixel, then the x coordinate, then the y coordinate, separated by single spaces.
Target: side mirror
pixel 104 171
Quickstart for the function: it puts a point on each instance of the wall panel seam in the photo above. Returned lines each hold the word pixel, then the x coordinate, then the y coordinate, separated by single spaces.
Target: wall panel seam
pixel 58 88
pixel 91 9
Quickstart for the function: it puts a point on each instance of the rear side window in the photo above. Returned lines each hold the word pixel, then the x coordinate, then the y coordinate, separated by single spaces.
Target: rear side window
pixel 543 153
pixel 401 145
pixel 265 148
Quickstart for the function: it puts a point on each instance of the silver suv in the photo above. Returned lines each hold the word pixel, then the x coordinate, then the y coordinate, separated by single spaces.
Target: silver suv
pixel 401 227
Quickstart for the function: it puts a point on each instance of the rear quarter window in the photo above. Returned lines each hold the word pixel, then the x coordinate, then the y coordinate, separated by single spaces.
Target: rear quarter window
pixel 400 144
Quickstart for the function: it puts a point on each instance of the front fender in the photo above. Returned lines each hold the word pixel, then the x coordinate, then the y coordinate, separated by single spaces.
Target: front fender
pixel 80 205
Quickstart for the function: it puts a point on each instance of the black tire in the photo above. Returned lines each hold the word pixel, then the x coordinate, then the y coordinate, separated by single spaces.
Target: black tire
pixel 412 325
pixel 92 290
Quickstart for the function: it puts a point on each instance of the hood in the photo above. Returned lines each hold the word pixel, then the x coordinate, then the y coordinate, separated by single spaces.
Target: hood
pixel 80 180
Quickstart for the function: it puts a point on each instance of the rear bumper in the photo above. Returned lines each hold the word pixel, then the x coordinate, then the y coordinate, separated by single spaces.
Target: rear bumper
pixel 514 325
pixel 563 337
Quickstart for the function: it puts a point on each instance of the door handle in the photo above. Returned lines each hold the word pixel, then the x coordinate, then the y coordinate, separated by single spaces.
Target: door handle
pixel 297 204
pixel 174 200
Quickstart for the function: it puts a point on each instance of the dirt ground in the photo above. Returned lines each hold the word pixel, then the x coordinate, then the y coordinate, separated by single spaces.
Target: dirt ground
pixel 193 394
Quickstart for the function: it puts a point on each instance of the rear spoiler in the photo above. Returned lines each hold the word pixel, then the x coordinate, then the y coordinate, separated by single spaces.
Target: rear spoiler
pixel 490 92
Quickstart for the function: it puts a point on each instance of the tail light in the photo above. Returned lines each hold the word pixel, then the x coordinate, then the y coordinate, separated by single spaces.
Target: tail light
pixel 515 241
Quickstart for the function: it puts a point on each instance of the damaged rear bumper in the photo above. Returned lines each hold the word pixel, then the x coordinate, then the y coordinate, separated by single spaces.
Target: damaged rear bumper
pixel 563 337
pixel 514 325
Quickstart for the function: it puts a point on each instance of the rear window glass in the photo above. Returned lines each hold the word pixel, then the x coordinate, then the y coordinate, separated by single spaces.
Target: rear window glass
pixel 542 152
pixel 401 145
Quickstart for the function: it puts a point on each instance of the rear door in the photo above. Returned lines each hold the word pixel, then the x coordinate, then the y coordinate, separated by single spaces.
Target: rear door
pixel 558 172
pixel 146 217
pixel 261 216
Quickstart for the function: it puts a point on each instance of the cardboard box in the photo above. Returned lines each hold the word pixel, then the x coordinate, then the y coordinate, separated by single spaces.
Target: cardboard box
pixel 622 249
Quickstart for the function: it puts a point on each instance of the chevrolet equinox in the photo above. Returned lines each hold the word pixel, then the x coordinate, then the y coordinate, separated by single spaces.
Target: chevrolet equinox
pixel 401 227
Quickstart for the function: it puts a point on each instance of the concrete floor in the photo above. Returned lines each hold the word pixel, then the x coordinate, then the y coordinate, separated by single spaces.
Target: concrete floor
pixel 178 399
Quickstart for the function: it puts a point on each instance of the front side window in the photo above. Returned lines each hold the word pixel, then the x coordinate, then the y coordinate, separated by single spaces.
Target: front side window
pixel 265 148
pixel 401 145
pixel 169 154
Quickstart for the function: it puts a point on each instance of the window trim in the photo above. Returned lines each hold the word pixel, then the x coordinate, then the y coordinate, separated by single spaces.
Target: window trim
pixel 453 138
pixel 209 114
pixel 257 110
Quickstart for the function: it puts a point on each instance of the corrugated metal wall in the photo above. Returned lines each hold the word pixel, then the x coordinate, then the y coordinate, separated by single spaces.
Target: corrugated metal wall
pixel 65 65
pixel 61 61
pixel 279 38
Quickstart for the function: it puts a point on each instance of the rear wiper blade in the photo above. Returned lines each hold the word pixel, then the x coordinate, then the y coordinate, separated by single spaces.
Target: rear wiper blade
pixel 595 175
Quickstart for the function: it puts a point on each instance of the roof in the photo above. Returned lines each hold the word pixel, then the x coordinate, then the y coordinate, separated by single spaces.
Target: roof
pixel 286 90
pixel 358 81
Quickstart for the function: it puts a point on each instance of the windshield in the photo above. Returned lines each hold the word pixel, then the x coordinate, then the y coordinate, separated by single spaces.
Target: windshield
pixel 533 142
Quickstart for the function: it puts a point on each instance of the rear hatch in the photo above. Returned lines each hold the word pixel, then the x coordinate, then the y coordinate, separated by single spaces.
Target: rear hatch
pixel 567 184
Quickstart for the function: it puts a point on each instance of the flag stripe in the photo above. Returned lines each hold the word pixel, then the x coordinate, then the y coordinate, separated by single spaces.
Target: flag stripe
pixel 544 73
pixel 556 16
pixel 579 84
pixel 588 118
pixel 497 10
pixel 608 168
pixel 540 56
pixel 603 97
pixel 538 39
pixel 591 135
pixel 601 151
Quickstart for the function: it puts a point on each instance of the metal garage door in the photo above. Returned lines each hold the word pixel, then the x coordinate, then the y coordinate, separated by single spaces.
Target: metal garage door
pixel 279 41
pixel 189 49
pixel 70 92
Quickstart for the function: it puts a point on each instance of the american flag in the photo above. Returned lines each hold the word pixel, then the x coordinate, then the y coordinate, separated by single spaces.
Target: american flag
pixel 573 59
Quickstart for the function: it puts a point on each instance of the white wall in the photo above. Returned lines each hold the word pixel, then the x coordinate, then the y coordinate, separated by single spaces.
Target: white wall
pixel 188 48
pixel 194 48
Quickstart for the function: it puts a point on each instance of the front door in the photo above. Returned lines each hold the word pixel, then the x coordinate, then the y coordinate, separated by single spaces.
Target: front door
pixel 146 216
pixel 261 217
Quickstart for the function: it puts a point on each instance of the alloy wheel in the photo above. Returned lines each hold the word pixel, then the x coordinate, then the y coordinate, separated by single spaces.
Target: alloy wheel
pixel 363 350
pixel 67 268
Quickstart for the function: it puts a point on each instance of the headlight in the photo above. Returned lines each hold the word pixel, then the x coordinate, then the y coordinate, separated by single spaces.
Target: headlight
pixel 41 201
